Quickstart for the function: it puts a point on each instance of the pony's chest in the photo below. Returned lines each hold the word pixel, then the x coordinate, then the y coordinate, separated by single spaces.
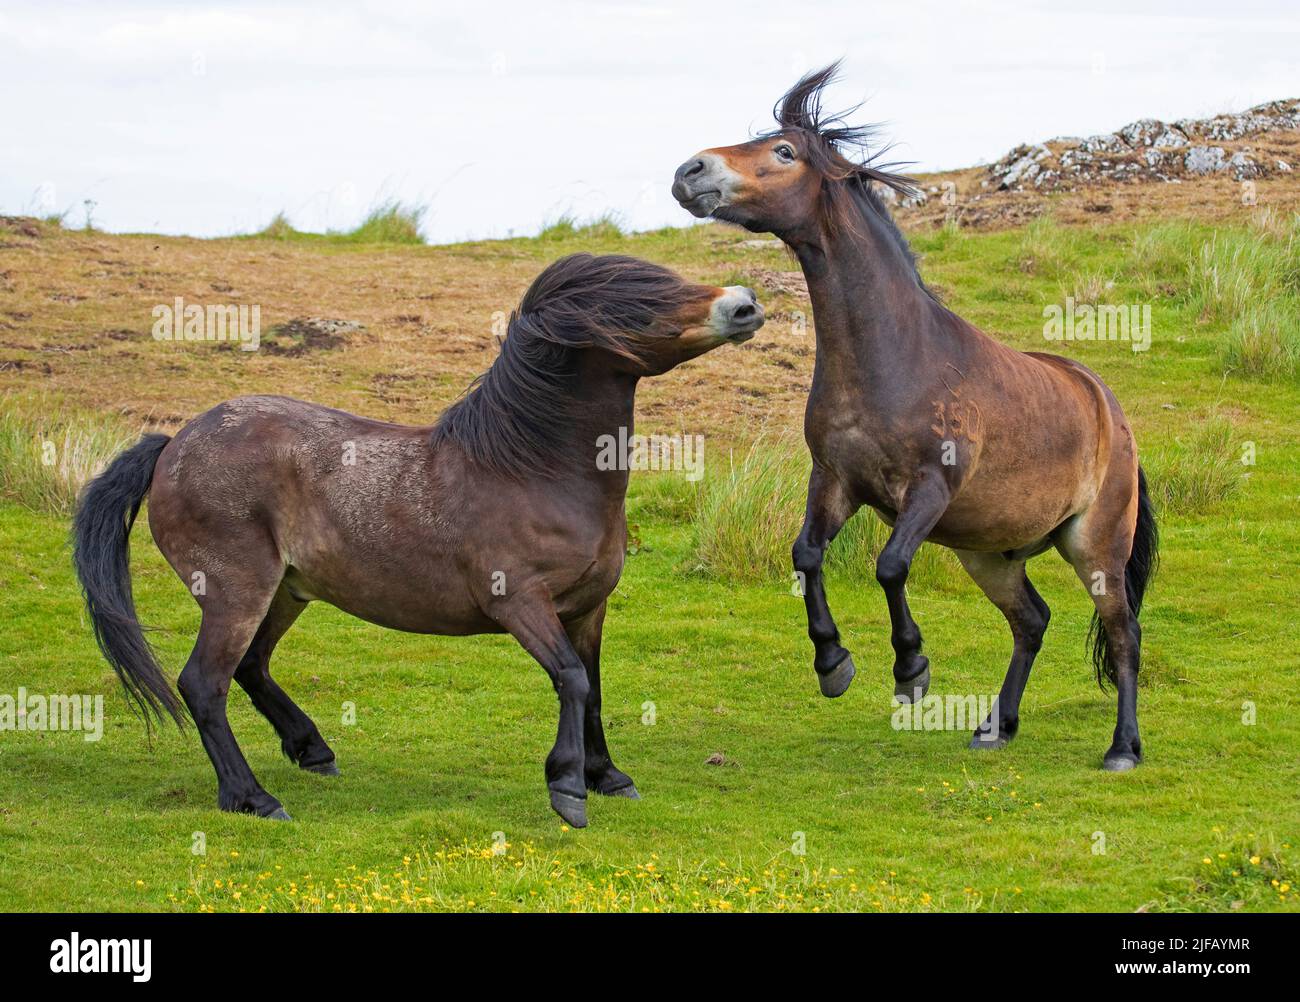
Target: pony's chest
pixel 867 465
pixel 594 573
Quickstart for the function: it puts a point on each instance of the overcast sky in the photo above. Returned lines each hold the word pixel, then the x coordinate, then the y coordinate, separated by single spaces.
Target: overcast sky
pixel 208 118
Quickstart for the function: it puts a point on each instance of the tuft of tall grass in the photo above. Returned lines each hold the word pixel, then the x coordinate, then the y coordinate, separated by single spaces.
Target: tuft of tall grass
pixel 1046 248
pixel 45 461
pixel 748 516
pixel 1197 471
pixel 389 222
pixel 1264 341
pixel 1240 270
pixel 566 226
pixel 279 228
pixel 665 495
pixel 1090 288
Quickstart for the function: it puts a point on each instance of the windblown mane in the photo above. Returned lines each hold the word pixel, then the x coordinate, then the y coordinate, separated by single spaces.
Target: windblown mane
pixel 840 152
pixel 512 418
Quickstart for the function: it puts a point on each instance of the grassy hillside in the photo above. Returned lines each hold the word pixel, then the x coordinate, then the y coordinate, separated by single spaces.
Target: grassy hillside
pixel 758 792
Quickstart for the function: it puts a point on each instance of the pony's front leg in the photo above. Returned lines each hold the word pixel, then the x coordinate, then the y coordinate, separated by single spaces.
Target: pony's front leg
pixel 601 773
pixel 533 622
pixel 923 506
pixel 829 507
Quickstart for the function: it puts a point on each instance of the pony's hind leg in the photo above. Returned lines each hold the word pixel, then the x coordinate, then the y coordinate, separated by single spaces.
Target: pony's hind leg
pixel 1005 584
pixel 224 636
pixel 300 739
pixel 1099 553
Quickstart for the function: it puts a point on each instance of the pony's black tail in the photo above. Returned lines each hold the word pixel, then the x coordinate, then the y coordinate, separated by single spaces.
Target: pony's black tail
pixel 101 529
pixel 1137 575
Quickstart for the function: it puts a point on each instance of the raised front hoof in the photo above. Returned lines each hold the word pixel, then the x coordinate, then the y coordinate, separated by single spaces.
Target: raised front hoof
pixel 1120 762
pixel 330 768
pixel 836 681
pixel 572 809
pixel 983 741
pixel 913 690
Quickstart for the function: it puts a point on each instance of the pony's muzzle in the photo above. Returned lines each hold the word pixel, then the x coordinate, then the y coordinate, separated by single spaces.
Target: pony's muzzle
pixel 737 313
pixel 698 185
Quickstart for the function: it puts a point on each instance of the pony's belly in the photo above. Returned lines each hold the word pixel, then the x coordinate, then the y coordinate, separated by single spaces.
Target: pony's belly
pixel 1001 521
pixel 439 608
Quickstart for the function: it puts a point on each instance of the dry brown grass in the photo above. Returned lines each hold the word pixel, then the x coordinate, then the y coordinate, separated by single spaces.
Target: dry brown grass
pixel 76 322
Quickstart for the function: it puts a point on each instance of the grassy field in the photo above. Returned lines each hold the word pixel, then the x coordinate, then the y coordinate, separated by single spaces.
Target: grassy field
pixel 758 793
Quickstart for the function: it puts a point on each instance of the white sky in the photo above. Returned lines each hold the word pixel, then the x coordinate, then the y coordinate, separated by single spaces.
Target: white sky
pixel 207 118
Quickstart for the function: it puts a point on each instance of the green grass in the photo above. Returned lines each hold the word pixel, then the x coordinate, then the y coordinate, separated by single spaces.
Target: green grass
pixel 813 803
pixel 1198 470
pixel 48 454
pixel 567 227
pixel 389 222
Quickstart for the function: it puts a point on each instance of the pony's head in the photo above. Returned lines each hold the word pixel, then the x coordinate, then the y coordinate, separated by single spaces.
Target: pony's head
pixel 802 175
pixel 586 319
pixel 644 318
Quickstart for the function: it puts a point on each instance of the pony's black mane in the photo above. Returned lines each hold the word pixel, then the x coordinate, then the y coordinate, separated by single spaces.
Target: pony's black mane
pixel 840 152
pixel 513 417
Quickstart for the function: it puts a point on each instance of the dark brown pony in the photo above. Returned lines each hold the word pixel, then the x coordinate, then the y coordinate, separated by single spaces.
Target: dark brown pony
pixel 495 520
pixel 947 434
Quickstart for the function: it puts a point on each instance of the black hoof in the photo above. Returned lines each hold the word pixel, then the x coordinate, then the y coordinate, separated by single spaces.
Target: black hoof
pixel 913 690
pixel 983 741
pixel 628 791
pixel 1120 762
pixel 329 768
pixel 836 681
pixel 572 809
pixel 279 814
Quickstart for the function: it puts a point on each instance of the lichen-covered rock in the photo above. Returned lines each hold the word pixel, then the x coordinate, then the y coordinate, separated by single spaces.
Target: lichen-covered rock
pixel 1148 150
pixel 1243 166
pixel 1205 160
pixel 1109 143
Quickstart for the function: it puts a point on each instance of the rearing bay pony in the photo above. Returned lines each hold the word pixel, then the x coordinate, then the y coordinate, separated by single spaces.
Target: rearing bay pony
pixel 496 519
pixel 947 434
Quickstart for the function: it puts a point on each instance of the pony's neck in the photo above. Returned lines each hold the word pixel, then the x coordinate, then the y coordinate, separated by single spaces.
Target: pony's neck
pixel 871 312
pixel 603 409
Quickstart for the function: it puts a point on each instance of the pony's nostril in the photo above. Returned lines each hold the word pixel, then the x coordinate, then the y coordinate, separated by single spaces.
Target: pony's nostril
pixel 744 312
pixel 694 168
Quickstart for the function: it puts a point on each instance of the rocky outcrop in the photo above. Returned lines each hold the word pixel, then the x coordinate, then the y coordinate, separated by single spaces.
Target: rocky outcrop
pixel 1151 150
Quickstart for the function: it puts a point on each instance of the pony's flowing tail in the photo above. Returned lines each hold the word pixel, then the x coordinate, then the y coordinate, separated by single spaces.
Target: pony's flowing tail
pixel 101 529
pixel 1141 566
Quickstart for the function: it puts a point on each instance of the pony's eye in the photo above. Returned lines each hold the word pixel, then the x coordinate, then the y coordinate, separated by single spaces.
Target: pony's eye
pixel 785 152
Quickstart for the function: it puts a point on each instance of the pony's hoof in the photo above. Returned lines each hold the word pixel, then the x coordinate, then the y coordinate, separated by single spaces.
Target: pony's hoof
pixel 837 680
pixel 572 809
pixel 628 791
pixel 330 768
pixel 984 741
pixel 279 814
pixel 913 690
pixel 1121 762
